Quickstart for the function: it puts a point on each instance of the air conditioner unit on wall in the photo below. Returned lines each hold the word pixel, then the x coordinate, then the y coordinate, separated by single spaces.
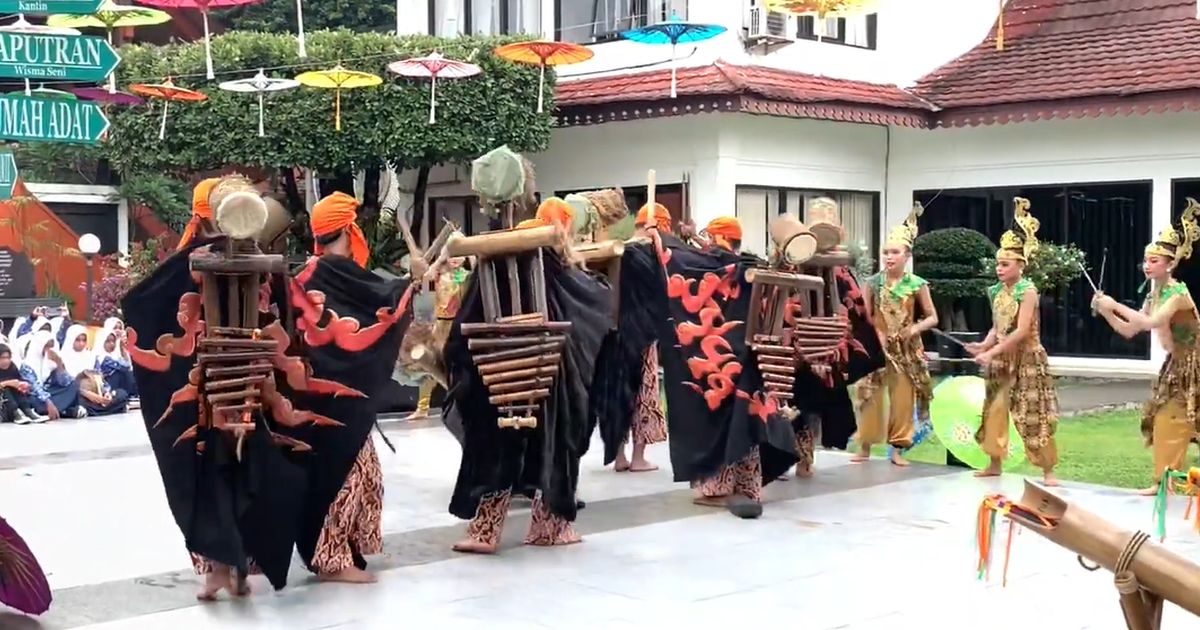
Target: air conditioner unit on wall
pixel 766 28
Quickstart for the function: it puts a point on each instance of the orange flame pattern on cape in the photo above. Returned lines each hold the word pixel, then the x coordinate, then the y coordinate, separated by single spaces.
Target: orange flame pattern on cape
pixel 346 333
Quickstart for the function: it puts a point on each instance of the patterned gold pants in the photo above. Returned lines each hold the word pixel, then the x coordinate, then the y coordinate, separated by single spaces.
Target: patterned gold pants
pixel 896 425
pixel 354 523
pixel 1036 429
pixel 545 528
pixel 743 477
pixel 1173 433
pixel 649 422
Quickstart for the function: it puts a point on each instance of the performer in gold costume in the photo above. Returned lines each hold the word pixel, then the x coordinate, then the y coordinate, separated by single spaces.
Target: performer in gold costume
pixel 892 296
pixel 1170 419
pixel 1018 374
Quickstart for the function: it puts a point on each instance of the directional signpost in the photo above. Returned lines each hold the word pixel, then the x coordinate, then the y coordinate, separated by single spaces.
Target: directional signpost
pixel 51 120
pixel 70 7
pixel 8 175
pixel 56 57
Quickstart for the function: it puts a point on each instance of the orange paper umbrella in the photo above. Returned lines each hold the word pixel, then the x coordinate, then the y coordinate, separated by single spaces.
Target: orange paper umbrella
pixel 823 8
pixel 337 79
pixel 544 54
pixel 166 92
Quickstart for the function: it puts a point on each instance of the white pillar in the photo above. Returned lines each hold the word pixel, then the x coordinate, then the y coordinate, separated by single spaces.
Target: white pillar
pixel 123 226
pixel 1160 218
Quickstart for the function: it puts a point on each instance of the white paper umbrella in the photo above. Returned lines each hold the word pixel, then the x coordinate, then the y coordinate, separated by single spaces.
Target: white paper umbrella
pixel 24 26
pixel 260 84
pixel 432 67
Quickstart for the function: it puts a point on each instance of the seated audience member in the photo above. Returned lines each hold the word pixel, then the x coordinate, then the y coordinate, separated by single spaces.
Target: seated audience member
pixel 54 392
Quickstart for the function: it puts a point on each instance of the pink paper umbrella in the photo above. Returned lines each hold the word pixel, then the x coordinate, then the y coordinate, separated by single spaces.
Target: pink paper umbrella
pixel 22 582
pixel 102 95
pixel 203 6
pixel 433 66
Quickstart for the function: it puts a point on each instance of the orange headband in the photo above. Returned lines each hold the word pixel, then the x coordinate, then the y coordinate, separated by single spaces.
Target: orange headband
pixel 200 210
pixel 339 212
pixel 662 217
pixel 722 230
pixel 553 211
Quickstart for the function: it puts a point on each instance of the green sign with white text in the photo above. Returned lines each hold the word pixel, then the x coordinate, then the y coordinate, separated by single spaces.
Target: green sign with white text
pixel 8 175
pixel 56 57
pixel 72 7
pixel 24 118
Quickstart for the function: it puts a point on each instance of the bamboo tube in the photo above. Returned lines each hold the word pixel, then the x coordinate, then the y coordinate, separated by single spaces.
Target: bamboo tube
pixel 768 339
pixel 516 353
pixel 784 279
pixel 518 327
pixel 783 370
pixel 517 422
pixel 824 223
pixel 529 394
pixel 599 252
pixel 509 409
pixel 504 243
pixel 752 323
pixel 435 248
pixel 775 360
pixel 1160 571
pixel 510 342
pixel 234 357
pixel 237 370
pixel 836 257
pixel 223 396
pixel 524 318
pixel 255 344
pixel 230 331
pixel 1137 614
pixel 539 360
pixel 490 379
pixel 238 409
pixel 767 349
pixel 793 239
pixel 234 382
pixel 533 383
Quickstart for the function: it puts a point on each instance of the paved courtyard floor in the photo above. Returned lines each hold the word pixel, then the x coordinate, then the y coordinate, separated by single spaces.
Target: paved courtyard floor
pixel 856 547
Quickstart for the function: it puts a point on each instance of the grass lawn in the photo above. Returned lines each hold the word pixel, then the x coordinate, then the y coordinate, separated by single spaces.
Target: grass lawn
pixel 1102 448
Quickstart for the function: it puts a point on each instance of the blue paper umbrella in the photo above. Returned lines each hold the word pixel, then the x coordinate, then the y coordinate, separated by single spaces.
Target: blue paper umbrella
pixel 674 32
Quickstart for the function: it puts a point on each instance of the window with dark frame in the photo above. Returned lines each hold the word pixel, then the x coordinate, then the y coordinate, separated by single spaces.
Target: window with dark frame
pixel 860 211
pixel 506 18
pixel 1094 217
pixel 806 28
pixel 596 21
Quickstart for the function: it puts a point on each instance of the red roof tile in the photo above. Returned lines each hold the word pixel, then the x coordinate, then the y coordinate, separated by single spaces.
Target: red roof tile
pixel 1071 49
pixel 723 79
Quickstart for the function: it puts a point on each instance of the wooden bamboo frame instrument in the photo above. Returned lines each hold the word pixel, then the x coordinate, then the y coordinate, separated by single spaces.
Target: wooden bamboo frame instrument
pixel 767 333
pixel 518 354
pixel 1145 573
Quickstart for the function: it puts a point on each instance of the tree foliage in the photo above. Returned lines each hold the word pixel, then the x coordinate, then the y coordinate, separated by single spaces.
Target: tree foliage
pixel 280 17
pixel 381 125
pixel 949 260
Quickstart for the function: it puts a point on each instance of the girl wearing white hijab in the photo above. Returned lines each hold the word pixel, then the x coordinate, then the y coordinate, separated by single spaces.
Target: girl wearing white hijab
pixel 112 357
pixel 54 392
pixel 75 353
pixel 95 394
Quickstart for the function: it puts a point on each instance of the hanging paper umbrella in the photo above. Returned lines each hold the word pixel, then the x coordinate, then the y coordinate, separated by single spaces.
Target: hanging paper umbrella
pixel 674 32
pixel 544 54
pixel 823 8
pixel 44 92
pixel 23 26
pixel 23 584
pixel 167 91
pixel 260 84
pixel 203 6
pixel 337 79
pixel 111 16
pixel 103 95
pixel 434 66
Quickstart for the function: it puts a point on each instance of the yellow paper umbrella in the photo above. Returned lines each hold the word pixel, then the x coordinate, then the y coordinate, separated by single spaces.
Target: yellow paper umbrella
pixel 823 8
pixel 110 16
pixel 544 54
pixel 338 79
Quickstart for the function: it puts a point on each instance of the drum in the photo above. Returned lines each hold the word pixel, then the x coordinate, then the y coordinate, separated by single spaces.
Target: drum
pixel 793 239
pixel 824 221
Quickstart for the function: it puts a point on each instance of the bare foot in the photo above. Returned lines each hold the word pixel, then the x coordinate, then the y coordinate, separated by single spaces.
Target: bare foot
pixel 1050 480
pixel 782 477
pixel 349 575
pixel 474 546
pixel 641 465
pixel 990 471
pixel 1148 492
pixel 621 464
pixel 243 587
pixel 861 456
pixel 419 414
pixel 803 471
pixel 213 583
pixel 898 460
pixel 709 501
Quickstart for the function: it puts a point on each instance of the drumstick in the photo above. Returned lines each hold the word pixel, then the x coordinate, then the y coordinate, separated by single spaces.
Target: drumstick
pixel 1088 278
pixel 948 337
pixel 1103 263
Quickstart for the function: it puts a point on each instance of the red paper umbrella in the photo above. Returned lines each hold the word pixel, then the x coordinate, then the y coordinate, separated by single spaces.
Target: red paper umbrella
pixel 434 66
pixel 23 584
pixel 203 6
pixel 167 91
pixel 102 95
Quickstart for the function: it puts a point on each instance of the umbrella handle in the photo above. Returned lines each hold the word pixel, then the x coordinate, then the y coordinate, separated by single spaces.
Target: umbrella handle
pixel 337 109
pixel 432 99
pixel 162 129
pixel 673 65
pixel 542 86
pixel 208 63
pixel 261 132
pixel 303 52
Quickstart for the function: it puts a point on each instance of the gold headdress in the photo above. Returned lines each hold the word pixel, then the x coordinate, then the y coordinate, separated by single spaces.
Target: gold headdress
pixel 1020 241
pixel 905 233
pixel 1176 242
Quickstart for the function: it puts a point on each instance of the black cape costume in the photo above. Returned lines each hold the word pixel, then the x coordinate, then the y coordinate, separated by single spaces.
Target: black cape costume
pixel 350 323
pixel 618 379
pixel 716 408
pixel 229 511
pixel 547 457
pixel 859 354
